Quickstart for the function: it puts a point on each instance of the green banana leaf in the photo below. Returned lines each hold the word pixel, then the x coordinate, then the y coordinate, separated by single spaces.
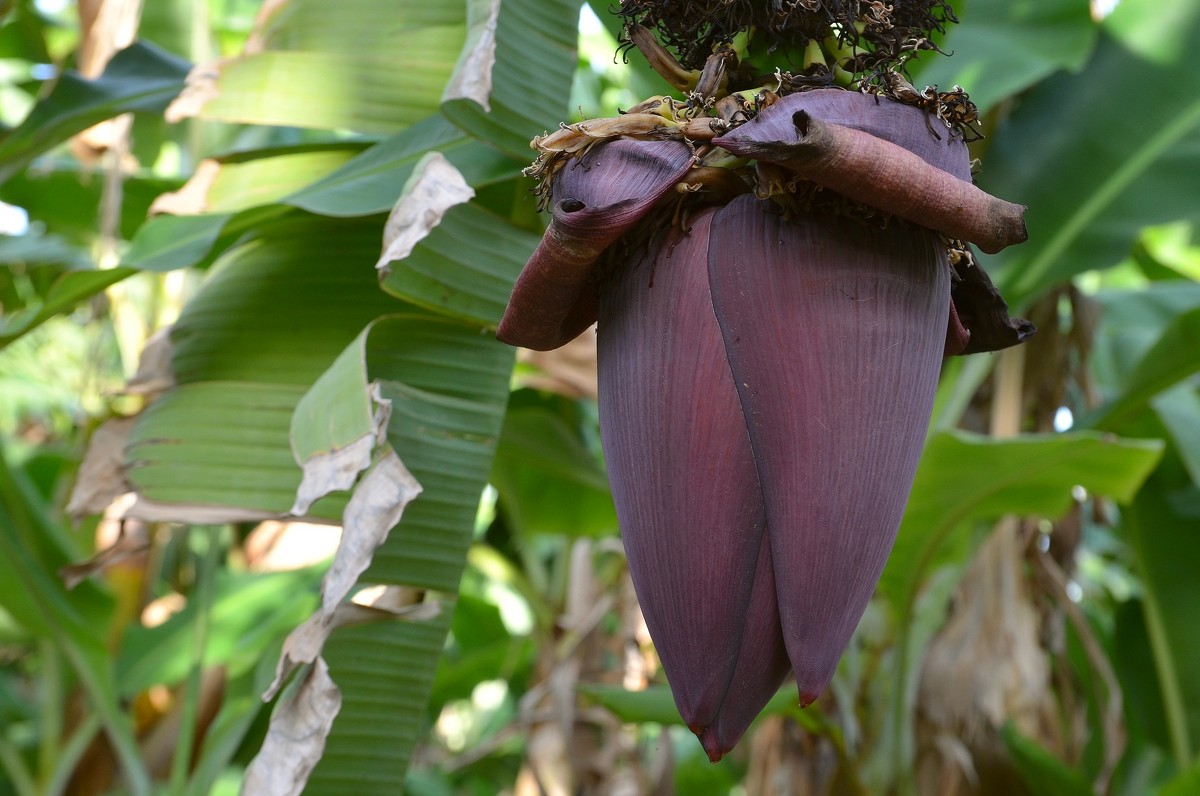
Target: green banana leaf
pixel 141 78
pixel 1165 545
pixel 465 267
pixel 165 243
pixel 966 478
pixel 229 183
pixel 1186 784
pixel 1043 773
pixel 534 49
pixel 1003 47
pixel 447 387
pixel 1173 358
pixel 372 182
pixel 357 68
pixel 220 437
pixel 64 200
pixel 547 479
pixel 42 276
pixel 68 290
pixel 1101 154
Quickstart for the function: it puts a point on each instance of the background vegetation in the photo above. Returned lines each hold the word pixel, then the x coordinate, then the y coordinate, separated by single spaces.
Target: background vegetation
pixel 193 331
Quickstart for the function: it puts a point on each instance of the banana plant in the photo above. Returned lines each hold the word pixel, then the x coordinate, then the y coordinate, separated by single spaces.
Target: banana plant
pixel 780 272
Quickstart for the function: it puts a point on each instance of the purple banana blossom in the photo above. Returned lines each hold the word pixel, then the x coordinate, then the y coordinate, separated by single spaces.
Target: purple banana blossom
pixel 766 381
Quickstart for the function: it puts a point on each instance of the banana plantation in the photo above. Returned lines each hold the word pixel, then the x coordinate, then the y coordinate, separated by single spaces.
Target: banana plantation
pixel 599 397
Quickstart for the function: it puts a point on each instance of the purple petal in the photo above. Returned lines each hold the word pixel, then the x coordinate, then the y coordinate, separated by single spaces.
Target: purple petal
pixel 762 665
pixel 682 473
pixel 835 333
pixel 908 127
pixel 597 198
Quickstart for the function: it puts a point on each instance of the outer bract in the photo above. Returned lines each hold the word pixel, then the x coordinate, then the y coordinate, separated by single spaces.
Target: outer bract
pixel 834 334
pixel 686 488
pixel 796 409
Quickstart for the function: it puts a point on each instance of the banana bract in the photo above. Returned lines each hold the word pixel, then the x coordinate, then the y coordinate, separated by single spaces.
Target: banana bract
pixel 766 381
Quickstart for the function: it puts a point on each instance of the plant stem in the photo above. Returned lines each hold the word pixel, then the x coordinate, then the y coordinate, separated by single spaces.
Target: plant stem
pixel 1168 679
pixel 203 596
pixel 70 754
pixel 51 713
pixel 18 773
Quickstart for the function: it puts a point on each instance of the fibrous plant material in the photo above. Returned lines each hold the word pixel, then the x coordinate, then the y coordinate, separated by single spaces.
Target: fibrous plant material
pixel 867 34
pixel 777 274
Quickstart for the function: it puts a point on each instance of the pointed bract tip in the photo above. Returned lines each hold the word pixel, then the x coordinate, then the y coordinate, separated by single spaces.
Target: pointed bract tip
pixel 810 696
pixel 712 745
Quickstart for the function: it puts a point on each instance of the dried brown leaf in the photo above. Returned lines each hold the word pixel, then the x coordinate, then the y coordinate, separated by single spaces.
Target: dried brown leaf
pixel 373 510
pixel 124 549
pixel 199 89
pixel 154 373
pixel 192 198
pixel 434 187
pixel 336 470
pixel 472 78
pixel 305 644
pixel 193 513
pixel 102 474
pixel 296 736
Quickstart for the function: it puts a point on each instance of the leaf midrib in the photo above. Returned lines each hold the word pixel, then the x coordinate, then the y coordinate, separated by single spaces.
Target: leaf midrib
pixel 1155 145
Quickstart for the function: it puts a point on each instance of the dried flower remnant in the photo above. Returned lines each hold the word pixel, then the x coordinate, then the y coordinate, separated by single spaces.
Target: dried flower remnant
pixel 866 34
pixel 778 264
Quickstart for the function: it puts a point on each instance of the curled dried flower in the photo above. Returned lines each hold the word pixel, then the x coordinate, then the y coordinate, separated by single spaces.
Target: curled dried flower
pixel 876 33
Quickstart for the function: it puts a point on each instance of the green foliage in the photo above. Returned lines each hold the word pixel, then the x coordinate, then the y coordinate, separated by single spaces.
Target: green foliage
pixel 140 78
pixel 1002 48
pixel 1044 774
pixel 1097 155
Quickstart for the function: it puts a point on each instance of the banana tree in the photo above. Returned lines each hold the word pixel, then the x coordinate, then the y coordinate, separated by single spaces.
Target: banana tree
pixel 344 192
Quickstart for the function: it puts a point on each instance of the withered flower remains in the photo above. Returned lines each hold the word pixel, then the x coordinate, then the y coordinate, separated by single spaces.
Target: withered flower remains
pixel 778 264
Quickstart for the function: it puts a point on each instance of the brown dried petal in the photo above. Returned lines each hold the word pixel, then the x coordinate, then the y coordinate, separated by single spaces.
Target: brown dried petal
pixel 979 307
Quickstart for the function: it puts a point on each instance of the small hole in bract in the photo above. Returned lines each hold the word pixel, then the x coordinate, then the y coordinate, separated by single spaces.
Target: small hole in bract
pixel 800 120
pixel 571 205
